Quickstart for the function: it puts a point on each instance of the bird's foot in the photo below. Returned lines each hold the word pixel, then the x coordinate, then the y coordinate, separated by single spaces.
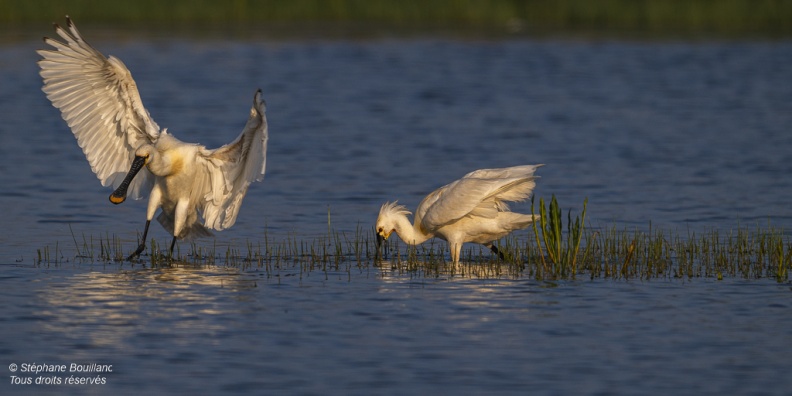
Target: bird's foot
pixel 497 251
pixel 137 252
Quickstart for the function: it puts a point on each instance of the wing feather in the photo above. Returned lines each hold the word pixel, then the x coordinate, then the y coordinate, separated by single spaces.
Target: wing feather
pixel 100 102
pixel 481 193
pixel 233 167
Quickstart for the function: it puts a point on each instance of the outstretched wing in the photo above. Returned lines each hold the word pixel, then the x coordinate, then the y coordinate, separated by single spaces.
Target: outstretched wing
pixel 99 100
pixel 233 167
pixel 481 193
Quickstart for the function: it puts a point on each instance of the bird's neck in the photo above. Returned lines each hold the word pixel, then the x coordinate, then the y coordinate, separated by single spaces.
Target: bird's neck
pixel 409 233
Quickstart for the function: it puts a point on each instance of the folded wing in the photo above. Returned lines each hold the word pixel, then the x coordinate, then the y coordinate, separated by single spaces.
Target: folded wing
pixel 233 167
pixel 100 102
pixel 481 193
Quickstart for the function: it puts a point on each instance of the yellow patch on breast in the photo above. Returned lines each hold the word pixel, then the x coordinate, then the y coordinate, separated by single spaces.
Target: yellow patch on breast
pixel 177 164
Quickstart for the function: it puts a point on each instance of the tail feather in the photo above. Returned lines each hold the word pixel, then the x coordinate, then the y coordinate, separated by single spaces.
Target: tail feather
pixel 518 221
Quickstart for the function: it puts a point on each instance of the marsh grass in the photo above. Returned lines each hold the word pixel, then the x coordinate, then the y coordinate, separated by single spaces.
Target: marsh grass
pixel 561 248
pixel 585 252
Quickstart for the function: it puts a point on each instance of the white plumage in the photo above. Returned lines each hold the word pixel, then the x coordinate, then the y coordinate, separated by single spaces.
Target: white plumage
pixel 471 209
pixel 100 102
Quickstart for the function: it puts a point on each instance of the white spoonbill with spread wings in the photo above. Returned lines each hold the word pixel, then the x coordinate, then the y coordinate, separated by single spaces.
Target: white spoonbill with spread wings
pixel 471 209
pixel 127 150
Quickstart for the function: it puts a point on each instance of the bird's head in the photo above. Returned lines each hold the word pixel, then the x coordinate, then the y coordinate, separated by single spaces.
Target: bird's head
pixel 389 213
pixel 144 152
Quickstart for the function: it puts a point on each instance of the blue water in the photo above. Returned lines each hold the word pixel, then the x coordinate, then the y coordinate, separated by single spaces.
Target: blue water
pixel 220 330
pixel 689 136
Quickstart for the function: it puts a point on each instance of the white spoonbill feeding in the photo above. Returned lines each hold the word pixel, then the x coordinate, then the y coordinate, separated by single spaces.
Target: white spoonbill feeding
pixel 127 150
pixel 471 209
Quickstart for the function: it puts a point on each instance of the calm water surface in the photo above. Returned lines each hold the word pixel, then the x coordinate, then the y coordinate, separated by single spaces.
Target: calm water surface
pixel 687 136
pixel 217 330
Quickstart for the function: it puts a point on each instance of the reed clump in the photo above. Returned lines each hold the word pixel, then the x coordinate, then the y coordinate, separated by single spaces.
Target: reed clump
pixel 562 250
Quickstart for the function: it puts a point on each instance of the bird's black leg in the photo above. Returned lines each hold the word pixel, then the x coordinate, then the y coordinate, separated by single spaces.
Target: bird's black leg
pixel 142 245
pixel 173 243
pixel 496 251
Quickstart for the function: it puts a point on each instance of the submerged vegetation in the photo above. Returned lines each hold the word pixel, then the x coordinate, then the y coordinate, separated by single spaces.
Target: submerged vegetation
pixel 549 254
pixel 723 17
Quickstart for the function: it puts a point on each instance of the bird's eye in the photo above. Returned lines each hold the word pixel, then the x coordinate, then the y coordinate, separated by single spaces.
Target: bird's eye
pixel 380 229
